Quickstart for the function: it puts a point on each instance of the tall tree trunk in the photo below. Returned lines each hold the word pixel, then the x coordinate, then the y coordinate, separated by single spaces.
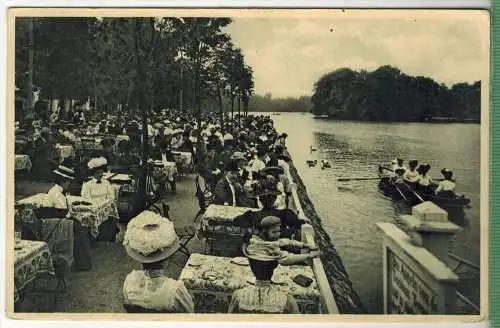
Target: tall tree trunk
pixel 141 193
pixel 182 84
pixel 219 98
pixel 31 54
pixel 232 113
pixel 239 112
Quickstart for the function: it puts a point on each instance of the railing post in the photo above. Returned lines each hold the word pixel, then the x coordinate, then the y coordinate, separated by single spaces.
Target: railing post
pixel 431 229
pixel 415 280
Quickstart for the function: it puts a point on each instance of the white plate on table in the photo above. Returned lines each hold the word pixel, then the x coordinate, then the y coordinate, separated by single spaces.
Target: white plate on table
pixel 240 261
pixel 196 262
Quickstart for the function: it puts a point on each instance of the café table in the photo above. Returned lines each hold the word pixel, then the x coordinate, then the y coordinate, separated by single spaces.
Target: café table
pixel 183 159
pixel 220 219
pixel 217 227
pixel 164 169
pixel 212 280
pixel 22 162
pixel 31 258
pixel 91 216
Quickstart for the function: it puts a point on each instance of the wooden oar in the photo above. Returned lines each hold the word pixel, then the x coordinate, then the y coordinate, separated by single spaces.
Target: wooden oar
pixel 352 179
pixel 417 195
pixel 401 193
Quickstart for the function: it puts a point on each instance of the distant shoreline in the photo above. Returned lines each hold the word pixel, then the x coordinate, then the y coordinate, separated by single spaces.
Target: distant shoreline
pixel 433 120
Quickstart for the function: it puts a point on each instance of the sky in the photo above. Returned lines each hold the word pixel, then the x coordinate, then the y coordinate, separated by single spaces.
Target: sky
pixel 289 53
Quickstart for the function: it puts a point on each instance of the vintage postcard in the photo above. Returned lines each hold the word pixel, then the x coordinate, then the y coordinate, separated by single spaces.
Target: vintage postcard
pixel 196 164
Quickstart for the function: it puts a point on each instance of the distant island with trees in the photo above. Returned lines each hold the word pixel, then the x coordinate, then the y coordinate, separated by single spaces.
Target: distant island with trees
pixel 267 103
pixel 385 94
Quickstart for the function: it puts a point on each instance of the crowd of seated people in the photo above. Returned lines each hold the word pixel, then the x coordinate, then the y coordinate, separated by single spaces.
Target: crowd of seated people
pixel 244 164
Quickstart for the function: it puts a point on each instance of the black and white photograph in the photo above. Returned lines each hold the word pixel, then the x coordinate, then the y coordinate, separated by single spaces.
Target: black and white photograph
pixel 247 161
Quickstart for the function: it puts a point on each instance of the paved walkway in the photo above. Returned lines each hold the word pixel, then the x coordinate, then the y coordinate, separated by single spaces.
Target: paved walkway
pixel 100 289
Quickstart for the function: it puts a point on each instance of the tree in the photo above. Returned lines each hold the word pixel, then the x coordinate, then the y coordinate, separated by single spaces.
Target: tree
pixel 387 94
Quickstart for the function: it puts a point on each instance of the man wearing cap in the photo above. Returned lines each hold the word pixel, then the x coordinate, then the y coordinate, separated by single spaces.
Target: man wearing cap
pixel 269 236
pixel 151 239
pixel 263 297
pixel 228 191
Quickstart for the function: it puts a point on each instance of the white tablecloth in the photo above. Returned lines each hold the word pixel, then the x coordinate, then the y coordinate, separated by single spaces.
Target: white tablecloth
pixel 31 258
pixel 89 216
pixel 22 162
pixel 213 279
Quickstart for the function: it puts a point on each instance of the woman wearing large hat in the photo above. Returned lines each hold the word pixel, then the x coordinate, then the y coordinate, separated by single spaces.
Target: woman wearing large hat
pixel 151 239
pixel 56 197
pixel 425 181
pixel 263 297
pixel 100 191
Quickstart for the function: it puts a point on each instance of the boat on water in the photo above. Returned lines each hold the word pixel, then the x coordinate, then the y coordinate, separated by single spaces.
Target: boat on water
pixel 412 196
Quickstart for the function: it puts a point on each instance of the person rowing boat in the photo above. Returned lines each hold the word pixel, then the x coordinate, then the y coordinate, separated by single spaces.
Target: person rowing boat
pixel 425 181
pixel 411 176
pixel 398 164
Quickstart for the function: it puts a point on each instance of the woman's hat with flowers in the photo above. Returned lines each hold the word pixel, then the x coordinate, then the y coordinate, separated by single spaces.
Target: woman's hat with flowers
pixel 150 238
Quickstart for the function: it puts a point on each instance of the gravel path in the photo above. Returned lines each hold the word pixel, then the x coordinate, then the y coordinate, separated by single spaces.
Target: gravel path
pixel 100 289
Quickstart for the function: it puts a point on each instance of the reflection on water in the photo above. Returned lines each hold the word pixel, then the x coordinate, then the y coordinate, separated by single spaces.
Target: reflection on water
pixel 351 209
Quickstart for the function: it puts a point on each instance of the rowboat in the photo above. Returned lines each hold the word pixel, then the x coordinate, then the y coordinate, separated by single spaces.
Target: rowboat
pixel 412 196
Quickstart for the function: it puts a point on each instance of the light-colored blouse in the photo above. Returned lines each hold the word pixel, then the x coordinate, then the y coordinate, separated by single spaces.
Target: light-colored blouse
pixel 411 176
pixel 98 193
pixel 155 291
pixel 263 297
pixel 424 180
pixel 445 185
pixel 55 198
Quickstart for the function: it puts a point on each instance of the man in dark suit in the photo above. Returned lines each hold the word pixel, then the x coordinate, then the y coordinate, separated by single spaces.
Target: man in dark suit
pixel 228 191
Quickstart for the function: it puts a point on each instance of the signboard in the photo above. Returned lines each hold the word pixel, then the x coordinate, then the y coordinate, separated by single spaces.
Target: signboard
pixel 408 293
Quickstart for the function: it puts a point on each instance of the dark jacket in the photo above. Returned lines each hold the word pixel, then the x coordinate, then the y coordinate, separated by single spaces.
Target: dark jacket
pixel 290 223
pixel 223 194
pixel 156 155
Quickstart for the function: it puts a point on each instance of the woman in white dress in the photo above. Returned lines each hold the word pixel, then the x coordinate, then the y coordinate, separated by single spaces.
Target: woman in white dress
pixel 446 188
pixel 100 191
pixel 151 239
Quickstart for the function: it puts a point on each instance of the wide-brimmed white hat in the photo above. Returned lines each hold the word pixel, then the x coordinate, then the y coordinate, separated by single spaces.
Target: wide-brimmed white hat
pixel 97 163
pixel 65 172
pixel 150 238
pixel 237 155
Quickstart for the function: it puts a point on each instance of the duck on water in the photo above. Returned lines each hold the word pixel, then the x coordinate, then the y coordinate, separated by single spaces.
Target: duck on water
pixel 414 185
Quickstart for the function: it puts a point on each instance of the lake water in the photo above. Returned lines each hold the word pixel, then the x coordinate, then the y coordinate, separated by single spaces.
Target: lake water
pixel 350 210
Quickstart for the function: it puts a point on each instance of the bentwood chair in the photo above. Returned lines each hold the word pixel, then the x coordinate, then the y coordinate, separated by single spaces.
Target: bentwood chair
pixel 185 234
